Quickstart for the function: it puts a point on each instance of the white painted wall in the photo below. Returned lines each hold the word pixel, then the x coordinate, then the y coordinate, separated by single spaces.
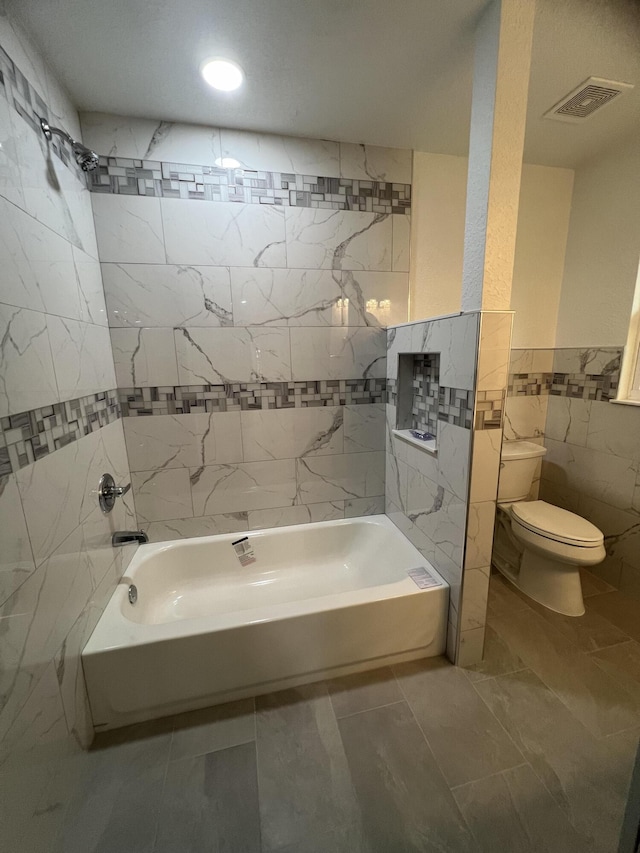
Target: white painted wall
pixel 437 243
pixel 602 254
pixel 543 225
pixel 502 58
pixel 439 189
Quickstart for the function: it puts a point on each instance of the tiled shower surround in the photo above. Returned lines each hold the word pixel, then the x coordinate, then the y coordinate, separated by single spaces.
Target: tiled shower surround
pixel 59 431
pixel 248 337
pixel 561 398
pixel 26 100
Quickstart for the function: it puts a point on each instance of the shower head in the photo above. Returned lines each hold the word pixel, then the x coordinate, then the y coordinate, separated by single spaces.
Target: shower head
pixel 85 157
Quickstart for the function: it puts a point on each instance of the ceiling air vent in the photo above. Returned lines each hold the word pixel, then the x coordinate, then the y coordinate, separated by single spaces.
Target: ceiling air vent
pixel 590 96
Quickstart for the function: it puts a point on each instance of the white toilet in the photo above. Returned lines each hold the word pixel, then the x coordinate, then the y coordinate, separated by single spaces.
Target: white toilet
pixel 537 546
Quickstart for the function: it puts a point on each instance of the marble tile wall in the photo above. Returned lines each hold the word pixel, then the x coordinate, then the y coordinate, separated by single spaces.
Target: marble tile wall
pixel 538 377
pixel 530 379
pixel 232 320
pixel 592 465
pixel 59 431
pixel 561 398
pixel 445 503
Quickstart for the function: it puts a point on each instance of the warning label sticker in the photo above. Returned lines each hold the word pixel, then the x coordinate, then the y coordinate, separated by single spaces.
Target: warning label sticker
pixel 423 578
pixel 244 551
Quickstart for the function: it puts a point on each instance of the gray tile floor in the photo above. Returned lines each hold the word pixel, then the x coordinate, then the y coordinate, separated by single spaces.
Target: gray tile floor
pixel 530 751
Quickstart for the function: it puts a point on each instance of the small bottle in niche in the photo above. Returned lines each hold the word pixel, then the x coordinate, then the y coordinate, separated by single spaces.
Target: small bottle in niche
pixel 422 434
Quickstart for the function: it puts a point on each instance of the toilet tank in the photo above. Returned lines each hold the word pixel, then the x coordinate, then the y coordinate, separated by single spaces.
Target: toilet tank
pixel 517 469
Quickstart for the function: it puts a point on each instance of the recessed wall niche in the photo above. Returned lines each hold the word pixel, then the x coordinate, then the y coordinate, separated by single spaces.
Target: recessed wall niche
pixel 418 396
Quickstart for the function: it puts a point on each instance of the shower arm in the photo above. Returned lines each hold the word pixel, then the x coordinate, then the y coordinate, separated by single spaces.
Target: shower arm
pixel 50 131
pixel 85 158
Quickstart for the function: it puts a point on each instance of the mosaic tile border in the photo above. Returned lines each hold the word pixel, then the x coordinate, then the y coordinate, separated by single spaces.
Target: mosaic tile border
pixel 529 384
pixel 156 178
pixel 32 435
pixel 580 384
pixel 26 101
pixel 426 391
pixel 489 409
pixel 247 396
pixel 455 405
pixel 585 386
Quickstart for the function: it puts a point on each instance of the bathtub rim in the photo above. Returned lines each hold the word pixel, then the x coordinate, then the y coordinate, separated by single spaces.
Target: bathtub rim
pixel 106 636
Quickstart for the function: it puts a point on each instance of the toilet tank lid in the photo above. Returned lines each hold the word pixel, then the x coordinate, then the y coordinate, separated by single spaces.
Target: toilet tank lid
pixel 522 450
pixel 556 523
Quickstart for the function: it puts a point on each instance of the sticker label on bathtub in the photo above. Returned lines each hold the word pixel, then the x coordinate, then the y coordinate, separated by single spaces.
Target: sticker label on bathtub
pixel 422 578
pixel 244 551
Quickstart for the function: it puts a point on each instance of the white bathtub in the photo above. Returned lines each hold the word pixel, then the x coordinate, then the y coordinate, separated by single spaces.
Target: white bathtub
pixel 320 600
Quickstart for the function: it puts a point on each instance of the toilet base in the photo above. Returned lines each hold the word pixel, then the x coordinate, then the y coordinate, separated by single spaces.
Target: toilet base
pixel 555 585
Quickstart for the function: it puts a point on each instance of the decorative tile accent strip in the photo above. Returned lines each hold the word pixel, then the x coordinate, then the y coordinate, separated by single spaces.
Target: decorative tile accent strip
pixel 426 399
pixel 455 405
pixel 241 396
pixel 29 436
pixel 585 386
pixel 125 176
pixel 571 377
pixel 489 409
pixel 529 384
pixel 26 101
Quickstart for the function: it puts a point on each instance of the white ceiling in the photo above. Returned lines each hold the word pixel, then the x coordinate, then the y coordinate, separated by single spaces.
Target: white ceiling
pixel 386 72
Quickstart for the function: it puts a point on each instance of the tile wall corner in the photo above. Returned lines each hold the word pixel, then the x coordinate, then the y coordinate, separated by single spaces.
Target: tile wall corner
pixel 494 348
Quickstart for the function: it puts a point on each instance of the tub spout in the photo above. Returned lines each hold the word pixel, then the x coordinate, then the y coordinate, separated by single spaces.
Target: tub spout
pixel 126 537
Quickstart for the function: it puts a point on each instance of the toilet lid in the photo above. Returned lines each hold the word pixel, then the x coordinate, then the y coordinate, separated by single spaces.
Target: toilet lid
pixel 555 523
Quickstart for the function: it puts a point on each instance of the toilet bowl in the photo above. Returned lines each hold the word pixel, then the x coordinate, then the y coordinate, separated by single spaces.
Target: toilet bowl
pixel 555 544
pixel 540 547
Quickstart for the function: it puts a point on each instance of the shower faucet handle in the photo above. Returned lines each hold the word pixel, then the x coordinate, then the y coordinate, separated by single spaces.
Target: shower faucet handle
pixel 108 492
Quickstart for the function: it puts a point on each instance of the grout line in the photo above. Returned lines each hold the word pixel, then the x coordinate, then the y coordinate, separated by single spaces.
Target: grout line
pixel 199 754
pixel 499 722
pixel 594 652
pixel 406 699
pixel 556 800
pixel 490 776
pixel 366 710
pixel 635 728
pixel 626 639
pixel 436 762
pixel 586 655
pixel 164 784
pixel 600 738
pixel 257 757
pixel 494 675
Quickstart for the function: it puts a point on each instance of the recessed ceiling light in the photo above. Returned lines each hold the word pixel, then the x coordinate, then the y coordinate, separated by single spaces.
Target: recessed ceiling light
pixel 222 74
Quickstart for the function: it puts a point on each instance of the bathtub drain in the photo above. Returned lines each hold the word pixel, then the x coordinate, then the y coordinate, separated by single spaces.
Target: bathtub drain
pixel 133 594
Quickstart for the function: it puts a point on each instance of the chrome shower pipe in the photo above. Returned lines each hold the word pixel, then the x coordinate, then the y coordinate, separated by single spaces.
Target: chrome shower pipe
pixel 85 158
